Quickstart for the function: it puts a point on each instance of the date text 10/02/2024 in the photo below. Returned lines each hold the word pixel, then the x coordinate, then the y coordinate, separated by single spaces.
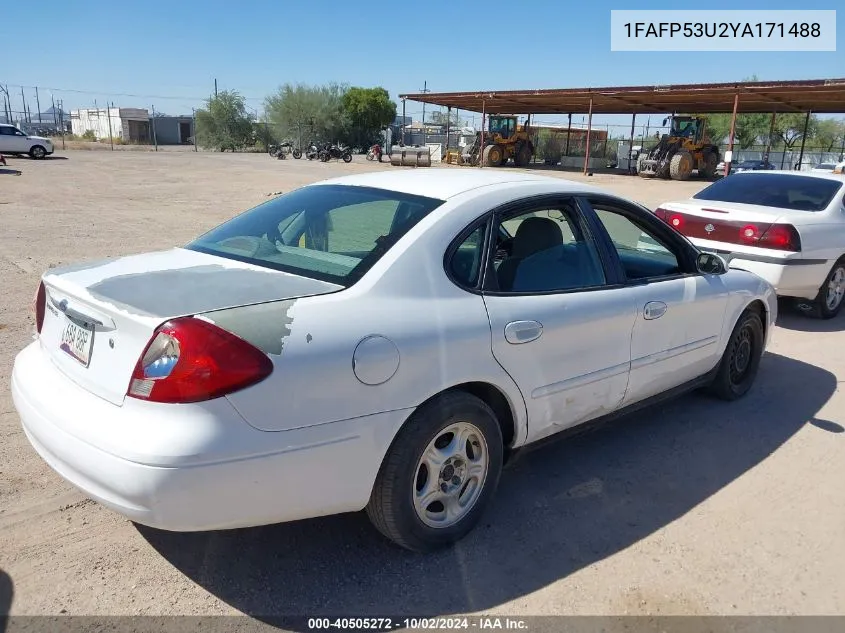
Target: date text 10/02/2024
pixel 722 29
pixel 429 624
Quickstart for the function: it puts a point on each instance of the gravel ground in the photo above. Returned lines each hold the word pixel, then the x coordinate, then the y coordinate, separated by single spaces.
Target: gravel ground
pixel 696 507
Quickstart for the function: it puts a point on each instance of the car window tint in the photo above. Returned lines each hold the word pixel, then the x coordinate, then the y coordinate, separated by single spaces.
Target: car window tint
pixel 465 263
pixel 643 254
pixel 546 251
pixel 784 191
pixel 330 232
pixel 8 131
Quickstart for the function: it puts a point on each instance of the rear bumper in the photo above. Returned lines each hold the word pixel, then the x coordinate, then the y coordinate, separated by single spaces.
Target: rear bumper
pixel 791 277
pixel 195 468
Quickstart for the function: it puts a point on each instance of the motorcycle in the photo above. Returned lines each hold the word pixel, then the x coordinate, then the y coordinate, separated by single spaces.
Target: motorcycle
pixel 337 152
pixel 374 152
pixel 312 152
pixel 282 150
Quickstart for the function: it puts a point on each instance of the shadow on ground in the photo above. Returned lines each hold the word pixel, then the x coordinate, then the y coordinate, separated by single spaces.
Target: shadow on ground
pixel 6 593
pixel 792 318
pixel 562 508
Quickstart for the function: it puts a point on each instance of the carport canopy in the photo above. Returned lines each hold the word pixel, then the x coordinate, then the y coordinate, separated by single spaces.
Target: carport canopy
pixel 821 96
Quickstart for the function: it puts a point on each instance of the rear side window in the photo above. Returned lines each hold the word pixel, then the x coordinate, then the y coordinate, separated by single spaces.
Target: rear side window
pixel 335 233
pixel 798 193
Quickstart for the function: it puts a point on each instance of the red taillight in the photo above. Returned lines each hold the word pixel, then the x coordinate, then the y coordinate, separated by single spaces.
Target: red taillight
pixel 190 360
pixel 39 306
pixel 782 237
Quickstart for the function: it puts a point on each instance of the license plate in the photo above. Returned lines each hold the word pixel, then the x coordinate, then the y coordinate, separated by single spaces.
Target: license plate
pixel 77 341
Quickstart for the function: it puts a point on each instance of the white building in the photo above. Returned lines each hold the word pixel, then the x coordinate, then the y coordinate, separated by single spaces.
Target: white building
pixel 129 124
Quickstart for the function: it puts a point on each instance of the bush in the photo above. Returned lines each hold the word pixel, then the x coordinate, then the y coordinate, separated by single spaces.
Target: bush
pixel 89 136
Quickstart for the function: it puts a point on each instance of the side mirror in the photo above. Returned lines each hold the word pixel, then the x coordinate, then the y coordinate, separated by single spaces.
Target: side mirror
pixel 710 264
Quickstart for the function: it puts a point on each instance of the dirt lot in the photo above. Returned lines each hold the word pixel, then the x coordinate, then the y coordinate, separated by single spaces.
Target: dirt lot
pixel 697 507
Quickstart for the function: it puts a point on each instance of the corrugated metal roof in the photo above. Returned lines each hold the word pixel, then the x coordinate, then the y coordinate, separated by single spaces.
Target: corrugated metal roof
pixel 816 95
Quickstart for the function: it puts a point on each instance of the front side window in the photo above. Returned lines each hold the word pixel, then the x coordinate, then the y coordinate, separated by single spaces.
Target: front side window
pixel 643 254
pixel 545 250
pixel 330 232
pixel 7 131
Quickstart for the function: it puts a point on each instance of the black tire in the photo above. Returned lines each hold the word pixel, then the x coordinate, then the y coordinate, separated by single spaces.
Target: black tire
pixel 38 152
pixel 297 154
pixel 820 306
pixel 523 156
pixel 391 507
pixel 741 360
pixel 347 157
pixel 711 161
pixel 324 157
pixel 492 155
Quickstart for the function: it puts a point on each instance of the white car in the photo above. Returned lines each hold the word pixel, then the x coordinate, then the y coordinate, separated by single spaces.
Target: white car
pixel 788 227
pixel 840 168
pixel 824 167
pixel 13 141
pixel 382 341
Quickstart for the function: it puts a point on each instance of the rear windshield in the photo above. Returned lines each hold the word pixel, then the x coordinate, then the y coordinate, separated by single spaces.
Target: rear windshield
pixel 784 191
pixel 335 233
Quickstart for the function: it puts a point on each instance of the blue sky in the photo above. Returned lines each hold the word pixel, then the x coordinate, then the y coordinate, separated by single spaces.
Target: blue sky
pixel 160 50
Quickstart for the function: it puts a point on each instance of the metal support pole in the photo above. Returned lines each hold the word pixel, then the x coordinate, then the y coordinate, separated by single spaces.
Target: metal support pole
pixel 448 121
pixel 769 139
pixel 804 139
pixel 481 148
pixel 589 131
pixel 55 118
pixel 38 105
pixel 194 126
pixel 842 149
pixel 568 134
pixel 108 118
pixel 403 122
pixel 631 145
pixel 731 137
pixel 62 120
pixel 155 140
pixel 23 101
pixel 606 137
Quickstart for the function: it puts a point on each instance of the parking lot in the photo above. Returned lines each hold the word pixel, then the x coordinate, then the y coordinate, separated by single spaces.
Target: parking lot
pixel 694 507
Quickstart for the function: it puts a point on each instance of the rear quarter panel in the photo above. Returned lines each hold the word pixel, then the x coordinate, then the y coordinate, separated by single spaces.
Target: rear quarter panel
pixel 744 288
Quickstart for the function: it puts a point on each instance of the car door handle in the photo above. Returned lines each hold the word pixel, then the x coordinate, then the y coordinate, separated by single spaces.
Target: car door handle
pixel 654 310
pixel 517 332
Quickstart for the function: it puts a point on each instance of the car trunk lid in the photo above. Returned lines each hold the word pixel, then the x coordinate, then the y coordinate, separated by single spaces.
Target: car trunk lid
pixel 100 316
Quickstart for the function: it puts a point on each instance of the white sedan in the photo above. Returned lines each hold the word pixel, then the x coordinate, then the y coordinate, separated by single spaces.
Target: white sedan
pixel 786 226
pixel 382 341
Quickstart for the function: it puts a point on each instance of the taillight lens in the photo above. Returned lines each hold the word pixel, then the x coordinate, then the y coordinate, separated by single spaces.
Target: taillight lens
pixel 39 307
pixel 190 360
pixel 782 237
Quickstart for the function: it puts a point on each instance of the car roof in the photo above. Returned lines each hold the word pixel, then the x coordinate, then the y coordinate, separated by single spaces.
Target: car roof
pixel 445 182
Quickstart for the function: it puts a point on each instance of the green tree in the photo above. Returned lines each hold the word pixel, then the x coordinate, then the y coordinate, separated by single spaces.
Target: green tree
pixel 309 113
pixel 789 128
pixel 224 123
pixel 367 111
pixel 750 128
pixel 829 134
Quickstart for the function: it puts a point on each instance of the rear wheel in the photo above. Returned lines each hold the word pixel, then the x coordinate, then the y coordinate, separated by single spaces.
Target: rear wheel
pixel 347 157
pixel 523 156
pixel 439 475
pixel 741 360
pixel 297 153
pixel 711 161
pixel 37 152
pixel 831 297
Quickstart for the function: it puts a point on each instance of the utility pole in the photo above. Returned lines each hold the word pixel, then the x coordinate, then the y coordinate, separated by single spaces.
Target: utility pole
pixel 194 126
pixel 215 88
pixel 155 140
pixel 23 101
pixel 108 118
pixel 424 91
pixel 5 91
pixel 38 104
pixel 62 120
